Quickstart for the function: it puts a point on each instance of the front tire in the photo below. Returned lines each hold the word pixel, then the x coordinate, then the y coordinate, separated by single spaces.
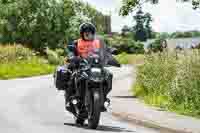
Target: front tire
pixel 79 121
pixel 95 110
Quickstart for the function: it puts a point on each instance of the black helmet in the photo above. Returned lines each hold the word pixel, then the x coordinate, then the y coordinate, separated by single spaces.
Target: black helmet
pixel 87 27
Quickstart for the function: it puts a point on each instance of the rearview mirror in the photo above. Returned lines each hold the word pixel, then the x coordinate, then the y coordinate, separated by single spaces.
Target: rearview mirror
pixel 113 51
pixel 113 62
pixel 71 47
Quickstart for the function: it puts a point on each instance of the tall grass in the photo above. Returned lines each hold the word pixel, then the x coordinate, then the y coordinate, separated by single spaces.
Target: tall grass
pixel 135 59
pixel 55 57
pixel 13 53
pixel 18 61
pixel 171 81
pixel 25 68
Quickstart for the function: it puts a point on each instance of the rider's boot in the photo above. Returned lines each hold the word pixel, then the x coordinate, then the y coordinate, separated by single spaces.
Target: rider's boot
pixel 106 104
pixel 67 102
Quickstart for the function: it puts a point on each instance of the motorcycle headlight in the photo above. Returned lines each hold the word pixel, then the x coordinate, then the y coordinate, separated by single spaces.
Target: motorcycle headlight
pixel 96 61
pixel 96 70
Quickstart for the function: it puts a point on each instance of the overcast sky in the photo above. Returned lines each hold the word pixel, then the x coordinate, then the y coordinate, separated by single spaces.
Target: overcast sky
pixel 168 16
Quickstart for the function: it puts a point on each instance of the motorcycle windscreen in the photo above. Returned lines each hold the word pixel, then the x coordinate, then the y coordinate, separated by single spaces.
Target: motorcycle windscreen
pixel 106 56
pixel 112 61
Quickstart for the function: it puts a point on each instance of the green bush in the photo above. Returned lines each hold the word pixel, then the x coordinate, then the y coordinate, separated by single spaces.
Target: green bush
pixel 125 58
pixel 186 86
pixel 60 51
pixel 169 83
pixel 124 44
pixel 52 57
pixel 18 61
pixel 122 58
pixel 157 45
pixel 187 34
pixel 41 23
pixel 156 73
pixel 12 53
pixel 25 68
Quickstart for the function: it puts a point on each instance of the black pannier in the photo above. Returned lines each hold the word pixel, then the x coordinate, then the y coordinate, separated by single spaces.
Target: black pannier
pixel 62 78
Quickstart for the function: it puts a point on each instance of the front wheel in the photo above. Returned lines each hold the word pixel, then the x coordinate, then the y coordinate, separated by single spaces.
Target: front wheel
pixel 79 121
pixel 94 110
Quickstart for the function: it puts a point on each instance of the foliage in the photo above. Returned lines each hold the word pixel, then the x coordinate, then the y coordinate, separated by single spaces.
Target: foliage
pixel 159 44
pixel 18 61
pixel 42 23
pixel 60 52
pixel 142 28
pixel 33 22
pixel 122 58
pixel 147 25
pixel 129 5
pixel 163 35
pixel 13 53
pixel 135 59
pixel 169 83
pixel 195 3
pixel 125 30
pixel 124 44
pixel 187 34
pixel 54 57
pixel 140 32
pixel 25 68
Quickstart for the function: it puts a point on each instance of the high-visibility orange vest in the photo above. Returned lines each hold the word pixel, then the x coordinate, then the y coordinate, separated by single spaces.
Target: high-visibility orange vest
pixel 85 47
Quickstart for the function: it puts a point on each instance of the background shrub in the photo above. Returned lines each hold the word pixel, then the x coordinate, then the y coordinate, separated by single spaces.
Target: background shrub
pixel 171 83
pixel 158 45
pixel 13 53
pixel 124 44
pixel 18 61
pixel 25 68
pixel 60 51
pixel 135 59
pixel 42 23
pixel 53 57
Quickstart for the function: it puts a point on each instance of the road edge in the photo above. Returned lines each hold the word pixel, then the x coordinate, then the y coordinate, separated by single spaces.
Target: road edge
pixel 146 123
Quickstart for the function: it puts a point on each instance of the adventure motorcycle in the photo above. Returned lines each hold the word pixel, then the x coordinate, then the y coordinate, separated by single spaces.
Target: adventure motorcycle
pixel 88 80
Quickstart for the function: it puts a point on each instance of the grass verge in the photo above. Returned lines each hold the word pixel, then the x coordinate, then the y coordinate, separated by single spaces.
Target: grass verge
pixel 25 68
pixel 133 59
pixel 171 83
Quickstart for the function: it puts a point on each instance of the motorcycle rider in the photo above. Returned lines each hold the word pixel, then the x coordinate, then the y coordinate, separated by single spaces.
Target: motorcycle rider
pixel 80 49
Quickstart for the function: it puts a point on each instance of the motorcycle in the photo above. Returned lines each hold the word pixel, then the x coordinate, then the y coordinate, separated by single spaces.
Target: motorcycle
pixel 88 100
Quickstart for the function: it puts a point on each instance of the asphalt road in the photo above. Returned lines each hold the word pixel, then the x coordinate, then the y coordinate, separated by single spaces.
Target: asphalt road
pixel 33 105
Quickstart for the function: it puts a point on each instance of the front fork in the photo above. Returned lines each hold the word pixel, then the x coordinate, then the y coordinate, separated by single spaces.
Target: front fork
pixel 90 90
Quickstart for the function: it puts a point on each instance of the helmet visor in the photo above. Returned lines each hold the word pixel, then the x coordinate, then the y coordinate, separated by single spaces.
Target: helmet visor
pixel 88 36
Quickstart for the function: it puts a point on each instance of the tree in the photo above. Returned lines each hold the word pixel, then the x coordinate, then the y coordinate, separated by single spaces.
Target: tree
pixel 164 35
pixel 125 30
pixel 147 26
pixel 140 32
pixel 129 5
pixel 187 34
pixel 143 29
pixel 35 22
pixel 41 23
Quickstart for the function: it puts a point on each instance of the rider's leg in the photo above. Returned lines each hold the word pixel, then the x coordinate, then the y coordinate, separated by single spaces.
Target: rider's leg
pixel 68 91
pixel 68 94
pixel 108 87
